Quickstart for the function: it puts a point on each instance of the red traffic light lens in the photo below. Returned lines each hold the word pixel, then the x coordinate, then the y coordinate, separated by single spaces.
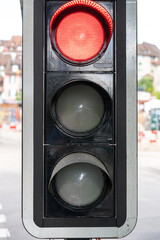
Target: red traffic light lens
pixel 80 36
pixel 80 31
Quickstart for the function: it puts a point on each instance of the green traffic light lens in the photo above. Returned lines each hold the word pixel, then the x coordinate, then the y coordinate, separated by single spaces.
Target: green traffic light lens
pixel 80 108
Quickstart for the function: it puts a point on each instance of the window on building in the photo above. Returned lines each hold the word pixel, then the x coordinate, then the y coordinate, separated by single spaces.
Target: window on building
pixel 145 51
pixel 19 48
pixel 12 93
pixel 1 68
pixel 15 68
pixel 12 79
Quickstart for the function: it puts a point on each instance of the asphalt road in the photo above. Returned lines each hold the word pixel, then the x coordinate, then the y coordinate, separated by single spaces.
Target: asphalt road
pixel 148 226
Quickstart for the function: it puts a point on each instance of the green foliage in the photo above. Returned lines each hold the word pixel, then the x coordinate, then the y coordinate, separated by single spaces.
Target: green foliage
pixel 146 83
pixel 19 96
pixel 158 95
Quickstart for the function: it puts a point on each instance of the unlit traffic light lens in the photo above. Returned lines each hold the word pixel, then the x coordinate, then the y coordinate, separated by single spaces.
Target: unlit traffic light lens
pixel 79 184
pixel 79 181
pixel 80 108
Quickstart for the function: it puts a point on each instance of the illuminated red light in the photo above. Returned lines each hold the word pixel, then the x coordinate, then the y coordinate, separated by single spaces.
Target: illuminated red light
pixel 80 35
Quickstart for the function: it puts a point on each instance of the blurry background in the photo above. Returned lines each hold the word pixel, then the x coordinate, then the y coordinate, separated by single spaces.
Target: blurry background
pixel 148 103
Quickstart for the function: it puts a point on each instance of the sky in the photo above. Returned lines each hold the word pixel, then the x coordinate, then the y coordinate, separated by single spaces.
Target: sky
pixel 10 19
pixel 148 20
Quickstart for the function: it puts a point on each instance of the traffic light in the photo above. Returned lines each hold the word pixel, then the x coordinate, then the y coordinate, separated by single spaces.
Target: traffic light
pixel 79 118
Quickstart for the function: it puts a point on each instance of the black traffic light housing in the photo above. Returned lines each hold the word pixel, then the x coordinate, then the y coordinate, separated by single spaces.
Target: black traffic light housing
pixel 79 121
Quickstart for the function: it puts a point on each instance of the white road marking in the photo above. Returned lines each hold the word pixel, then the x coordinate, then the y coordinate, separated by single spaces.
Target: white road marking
pixel 4 233
pixel 2 218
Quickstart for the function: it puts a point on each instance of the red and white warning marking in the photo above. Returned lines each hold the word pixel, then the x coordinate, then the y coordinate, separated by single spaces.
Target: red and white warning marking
pixel 153 137
pixel 141 135
pixel 17 127
pixel 148 136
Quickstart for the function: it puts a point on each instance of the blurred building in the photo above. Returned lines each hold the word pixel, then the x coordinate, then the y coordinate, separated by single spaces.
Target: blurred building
pixel 11 67
pixel 148 58
pixel 149 63
pixel 143 97
pixel 1 84
pixel 11 70
pixel 157 76
pixel 2 45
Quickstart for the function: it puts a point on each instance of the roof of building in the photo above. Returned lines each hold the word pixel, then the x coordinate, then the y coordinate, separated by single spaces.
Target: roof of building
pixel 147 49
pixel 3 42
pixel 15 42
pixel 11 55
pixel 5 60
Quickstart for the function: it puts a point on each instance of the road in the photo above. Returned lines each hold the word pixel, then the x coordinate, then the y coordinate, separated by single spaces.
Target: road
pixel 10 186
pixel 148 226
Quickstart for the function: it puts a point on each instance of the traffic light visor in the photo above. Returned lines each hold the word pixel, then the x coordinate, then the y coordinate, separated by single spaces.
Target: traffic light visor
pixel 79 181
pixel 80 31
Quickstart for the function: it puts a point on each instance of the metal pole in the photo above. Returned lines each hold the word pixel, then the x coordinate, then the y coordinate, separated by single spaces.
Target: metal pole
pixel 21 4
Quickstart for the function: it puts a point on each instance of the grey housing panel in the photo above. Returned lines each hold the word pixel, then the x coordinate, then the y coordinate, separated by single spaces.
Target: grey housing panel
pixel 28 147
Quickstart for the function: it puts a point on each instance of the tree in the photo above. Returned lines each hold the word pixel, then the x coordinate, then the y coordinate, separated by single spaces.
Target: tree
pixel 146 83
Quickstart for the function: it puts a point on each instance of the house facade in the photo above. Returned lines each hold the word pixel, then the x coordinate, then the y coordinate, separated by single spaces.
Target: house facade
pixel 149 63
pixel 10 69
